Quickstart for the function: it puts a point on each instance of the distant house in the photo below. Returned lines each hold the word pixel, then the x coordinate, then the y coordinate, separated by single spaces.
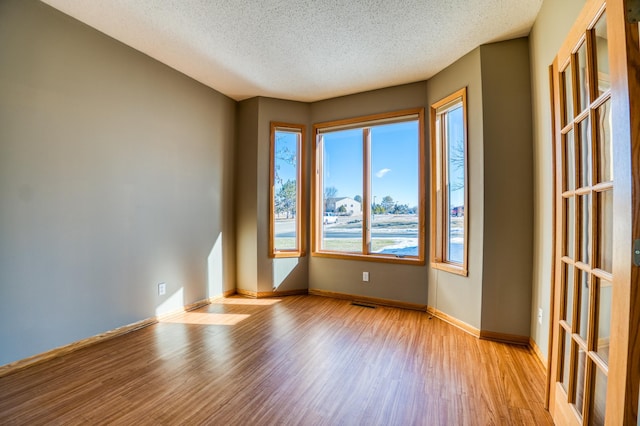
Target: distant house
pixel 457 211
pixel 351 206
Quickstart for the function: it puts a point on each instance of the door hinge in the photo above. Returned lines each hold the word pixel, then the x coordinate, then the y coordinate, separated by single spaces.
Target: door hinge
pixel 636 252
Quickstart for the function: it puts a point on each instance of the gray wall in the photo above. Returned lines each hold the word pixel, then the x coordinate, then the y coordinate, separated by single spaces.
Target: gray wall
pixel 257 272
pixel 549 31
pixel 508 187
pixel 115 174
pixel 246 201
pixel 496 294
pixel 404 283
pixel 457 296
pixel 283 274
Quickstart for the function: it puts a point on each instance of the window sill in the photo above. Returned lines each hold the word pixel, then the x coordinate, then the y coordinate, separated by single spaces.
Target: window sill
pixel 449 267
pixel 287 254
pixel 381 258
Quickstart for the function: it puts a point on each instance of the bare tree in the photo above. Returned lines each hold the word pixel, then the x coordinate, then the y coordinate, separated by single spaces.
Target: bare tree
pixel 457 162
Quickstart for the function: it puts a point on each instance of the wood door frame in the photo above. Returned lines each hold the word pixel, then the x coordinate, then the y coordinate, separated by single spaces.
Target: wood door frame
pixel 624 66
pixel 624 358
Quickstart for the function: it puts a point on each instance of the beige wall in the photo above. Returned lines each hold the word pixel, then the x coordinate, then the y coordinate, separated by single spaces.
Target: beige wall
pixel 549 31
pixel 115 175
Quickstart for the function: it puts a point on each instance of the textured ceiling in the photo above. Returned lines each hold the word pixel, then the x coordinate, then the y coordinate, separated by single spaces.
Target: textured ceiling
pixel 305 50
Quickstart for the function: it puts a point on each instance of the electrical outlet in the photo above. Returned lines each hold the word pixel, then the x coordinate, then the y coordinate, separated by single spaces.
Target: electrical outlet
pixel 365 277
pixel 540 316
pixel 162 289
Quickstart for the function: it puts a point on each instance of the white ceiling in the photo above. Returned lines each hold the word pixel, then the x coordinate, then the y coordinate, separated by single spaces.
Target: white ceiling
pixel 305 50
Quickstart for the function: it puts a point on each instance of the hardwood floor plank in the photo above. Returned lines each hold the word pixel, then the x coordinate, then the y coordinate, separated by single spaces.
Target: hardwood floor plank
pixel 299 360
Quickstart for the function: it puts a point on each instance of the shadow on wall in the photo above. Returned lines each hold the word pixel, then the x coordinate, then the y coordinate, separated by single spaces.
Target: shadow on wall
pixel 175 300
pixel 172 303
pixel 282 269
pixel 215 269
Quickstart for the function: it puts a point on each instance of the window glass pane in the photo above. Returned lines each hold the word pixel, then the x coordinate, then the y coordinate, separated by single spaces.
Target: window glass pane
pixel 583 82
pixel 605 148
pixel 394 188
pixel 285 192
pixel 569 281
pixel 602 53
pixel 599 398
pixel 603 329
pixel 584 284
pixel 605 230
pixel 342 168
pixel 569 162
pixel 455 184
pixel 585 228
pixel 568 98
pixel 585 152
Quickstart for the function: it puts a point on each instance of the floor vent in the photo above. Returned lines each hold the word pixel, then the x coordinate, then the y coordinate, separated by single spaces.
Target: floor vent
pixel 364 305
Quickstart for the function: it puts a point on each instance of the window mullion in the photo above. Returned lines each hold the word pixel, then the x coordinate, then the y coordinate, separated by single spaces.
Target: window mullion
pixel 366 190
pixel 317 225
pixel 445 189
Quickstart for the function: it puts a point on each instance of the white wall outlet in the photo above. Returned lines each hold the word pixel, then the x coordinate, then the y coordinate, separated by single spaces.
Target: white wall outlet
pixel 162 289
pixel 365 277
pixel 540 316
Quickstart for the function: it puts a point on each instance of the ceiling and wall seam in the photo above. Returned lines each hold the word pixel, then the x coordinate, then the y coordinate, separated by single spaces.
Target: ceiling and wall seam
pixel 304 50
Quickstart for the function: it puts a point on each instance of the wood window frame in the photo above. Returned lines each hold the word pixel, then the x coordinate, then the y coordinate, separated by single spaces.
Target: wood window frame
pixel 438 198
pixel 364 122
pixel 299 250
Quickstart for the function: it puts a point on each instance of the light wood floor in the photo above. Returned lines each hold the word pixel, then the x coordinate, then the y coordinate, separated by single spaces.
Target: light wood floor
pixel 301 360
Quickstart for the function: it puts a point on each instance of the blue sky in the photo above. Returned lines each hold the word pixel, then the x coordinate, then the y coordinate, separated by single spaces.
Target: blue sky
pixel 285 141
pixel 394 162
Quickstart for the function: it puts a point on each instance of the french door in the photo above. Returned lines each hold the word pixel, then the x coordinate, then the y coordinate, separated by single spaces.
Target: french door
pixel 595 350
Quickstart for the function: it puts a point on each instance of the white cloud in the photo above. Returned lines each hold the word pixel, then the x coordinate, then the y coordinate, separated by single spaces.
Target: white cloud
pixel 382 172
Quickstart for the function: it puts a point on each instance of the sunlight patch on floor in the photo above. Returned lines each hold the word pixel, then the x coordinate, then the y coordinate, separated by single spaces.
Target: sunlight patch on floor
pixel 244 301
pixel 205 318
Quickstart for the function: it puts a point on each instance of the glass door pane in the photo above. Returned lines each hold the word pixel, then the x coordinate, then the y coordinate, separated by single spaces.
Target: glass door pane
pixel 585 152
pixel 570 225
pixel 602 55
pixel 605 147
pixel 598 399
pixel 583 306
pixel 605 230
pixel 583 77
pixel 569 291
pixel 569 161
pixel 568 95
pixel 603 323
pixel 585 228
